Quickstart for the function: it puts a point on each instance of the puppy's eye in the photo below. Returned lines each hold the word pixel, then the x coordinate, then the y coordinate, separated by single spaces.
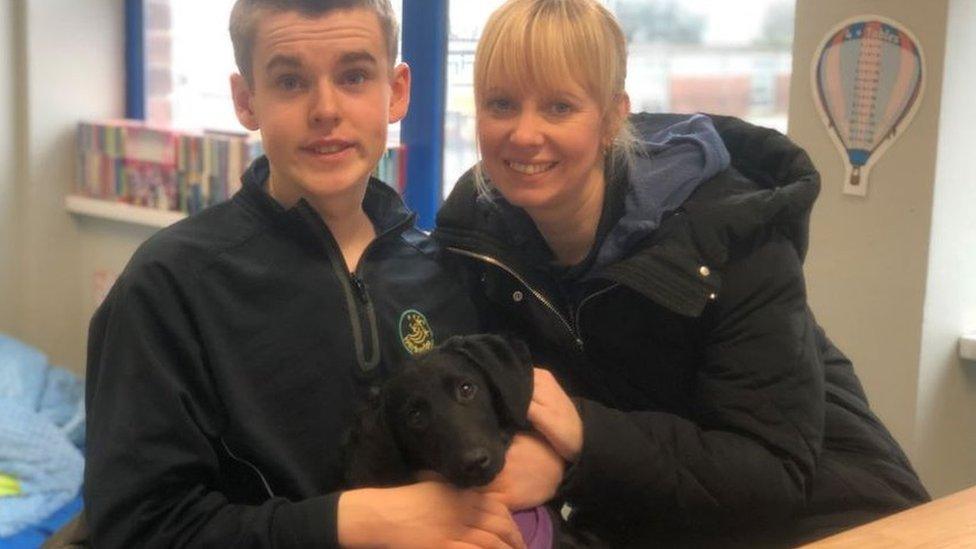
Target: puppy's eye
pixel 415 417
pixel 466 390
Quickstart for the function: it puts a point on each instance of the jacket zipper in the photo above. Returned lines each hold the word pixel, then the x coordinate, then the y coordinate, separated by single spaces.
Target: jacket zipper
pixel 584 301
pixel 355 291
pixel 367 324
pixel 357 279
pixel 567 323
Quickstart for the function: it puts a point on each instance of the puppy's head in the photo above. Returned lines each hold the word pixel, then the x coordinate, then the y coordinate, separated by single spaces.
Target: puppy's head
pixel 454 409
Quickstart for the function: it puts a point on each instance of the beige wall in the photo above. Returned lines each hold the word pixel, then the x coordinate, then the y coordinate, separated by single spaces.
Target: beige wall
pixel 74 70
pixel 10 256
pixel 945 439
pixel 869 276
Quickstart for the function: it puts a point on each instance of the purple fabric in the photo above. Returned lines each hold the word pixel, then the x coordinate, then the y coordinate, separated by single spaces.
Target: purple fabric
pixel 536 527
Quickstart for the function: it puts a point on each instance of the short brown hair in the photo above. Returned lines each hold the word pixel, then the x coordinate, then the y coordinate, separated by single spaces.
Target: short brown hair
pixel 244 18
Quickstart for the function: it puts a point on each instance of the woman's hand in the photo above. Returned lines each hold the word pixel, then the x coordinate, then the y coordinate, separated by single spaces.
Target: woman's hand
pixel 425 514
pixel 532 473
pixel 553 414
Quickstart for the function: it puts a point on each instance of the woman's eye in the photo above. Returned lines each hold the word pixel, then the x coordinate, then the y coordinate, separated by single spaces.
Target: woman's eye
pixel 466 390
pixel 560 108
pixel 500 105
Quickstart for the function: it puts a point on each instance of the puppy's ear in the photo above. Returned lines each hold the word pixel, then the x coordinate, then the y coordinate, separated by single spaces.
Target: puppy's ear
pixel 506 363
pixel 372 455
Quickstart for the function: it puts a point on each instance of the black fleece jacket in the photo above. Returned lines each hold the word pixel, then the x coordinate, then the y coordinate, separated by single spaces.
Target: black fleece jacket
pixel 226 364
pixel 715 410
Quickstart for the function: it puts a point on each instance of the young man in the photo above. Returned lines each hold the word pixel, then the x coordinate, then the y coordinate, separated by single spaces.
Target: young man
pixel 227 362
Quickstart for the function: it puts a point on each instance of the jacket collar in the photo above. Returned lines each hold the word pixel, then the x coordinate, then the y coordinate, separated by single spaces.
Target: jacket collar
pixel 772 184
pixel 382 204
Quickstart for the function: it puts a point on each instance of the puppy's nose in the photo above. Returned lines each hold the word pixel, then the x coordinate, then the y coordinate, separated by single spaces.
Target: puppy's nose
pixel 476 461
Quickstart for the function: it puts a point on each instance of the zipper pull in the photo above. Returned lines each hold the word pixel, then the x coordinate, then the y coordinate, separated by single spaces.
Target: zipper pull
pixel 575 331
pixel 360 287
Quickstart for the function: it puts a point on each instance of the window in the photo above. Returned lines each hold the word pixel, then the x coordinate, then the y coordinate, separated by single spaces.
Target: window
pixel 460 149
pixel 189 60
pixel 201 61
pixel 687 56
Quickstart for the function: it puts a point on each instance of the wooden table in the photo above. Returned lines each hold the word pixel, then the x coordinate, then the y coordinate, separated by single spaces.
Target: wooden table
pixel 946 522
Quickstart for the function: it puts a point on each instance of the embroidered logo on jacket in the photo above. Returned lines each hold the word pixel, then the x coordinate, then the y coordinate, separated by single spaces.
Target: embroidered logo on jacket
pixel 415 332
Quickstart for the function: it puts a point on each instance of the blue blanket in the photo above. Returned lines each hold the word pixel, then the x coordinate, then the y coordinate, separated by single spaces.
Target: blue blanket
pixel 35 535
pixel 41 435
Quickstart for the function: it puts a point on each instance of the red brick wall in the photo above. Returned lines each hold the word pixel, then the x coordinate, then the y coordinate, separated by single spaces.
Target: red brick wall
pixel 783 93
pixel 713 94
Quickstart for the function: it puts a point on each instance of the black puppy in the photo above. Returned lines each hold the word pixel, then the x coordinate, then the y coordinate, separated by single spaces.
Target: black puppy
pixel 452 410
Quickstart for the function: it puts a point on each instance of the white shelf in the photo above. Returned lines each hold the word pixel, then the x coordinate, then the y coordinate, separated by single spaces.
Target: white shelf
pixel 119 211
pixel 967 347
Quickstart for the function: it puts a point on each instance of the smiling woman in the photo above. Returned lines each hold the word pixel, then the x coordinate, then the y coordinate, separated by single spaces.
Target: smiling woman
pixel 690 56
pixel 667 299
pixel 543 130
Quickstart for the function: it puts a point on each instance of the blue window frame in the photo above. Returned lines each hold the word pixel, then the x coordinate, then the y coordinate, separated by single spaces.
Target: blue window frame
pixel 135 60
pixel 422 132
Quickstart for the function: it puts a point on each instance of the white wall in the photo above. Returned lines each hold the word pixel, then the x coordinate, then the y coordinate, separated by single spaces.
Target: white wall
pixel 74 70
pixel 10 257
pixel 945 449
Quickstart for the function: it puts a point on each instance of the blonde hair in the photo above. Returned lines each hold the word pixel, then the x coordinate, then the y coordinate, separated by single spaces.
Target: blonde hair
pixel 537 44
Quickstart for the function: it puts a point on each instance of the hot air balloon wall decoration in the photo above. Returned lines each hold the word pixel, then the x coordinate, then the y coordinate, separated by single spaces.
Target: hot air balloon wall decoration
pixel 868 77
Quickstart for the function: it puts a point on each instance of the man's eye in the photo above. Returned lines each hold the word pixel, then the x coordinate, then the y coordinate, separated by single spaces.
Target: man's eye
pixel 289 82
pixel 466 390
pixel 355 78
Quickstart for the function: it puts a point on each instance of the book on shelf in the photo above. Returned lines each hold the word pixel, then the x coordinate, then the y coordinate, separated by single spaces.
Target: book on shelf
pixel 176 170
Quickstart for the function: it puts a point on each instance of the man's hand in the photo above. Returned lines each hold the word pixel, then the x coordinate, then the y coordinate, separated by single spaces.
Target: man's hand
pixel 423 515
pixel 553 414
pixel 532 473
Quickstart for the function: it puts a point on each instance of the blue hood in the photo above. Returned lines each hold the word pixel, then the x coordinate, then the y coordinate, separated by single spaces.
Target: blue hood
pixel 676 154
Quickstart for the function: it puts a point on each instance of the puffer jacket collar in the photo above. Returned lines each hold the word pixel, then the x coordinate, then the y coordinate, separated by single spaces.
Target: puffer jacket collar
pixel 679 265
